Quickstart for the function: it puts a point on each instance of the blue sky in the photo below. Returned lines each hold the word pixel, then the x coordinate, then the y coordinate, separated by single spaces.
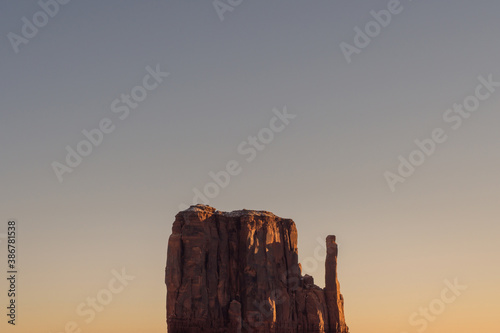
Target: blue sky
pixel 325 169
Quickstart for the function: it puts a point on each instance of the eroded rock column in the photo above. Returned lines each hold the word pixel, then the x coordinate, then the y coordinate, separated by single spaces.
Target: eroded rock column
pixel 334 299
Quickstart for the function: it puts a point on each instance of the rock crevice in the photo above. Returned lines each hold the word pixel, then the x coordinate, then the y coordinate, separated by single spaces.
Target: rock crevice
pixel 239 272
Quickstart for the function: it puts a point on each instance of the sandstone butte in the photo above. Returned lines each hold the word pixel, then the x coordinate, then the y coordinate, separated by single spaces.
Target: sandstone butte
pixel 239 272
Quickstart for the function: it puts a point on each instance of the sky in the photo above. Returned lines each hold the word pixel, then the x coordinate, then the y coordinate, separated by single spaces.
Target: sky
pixel 314 107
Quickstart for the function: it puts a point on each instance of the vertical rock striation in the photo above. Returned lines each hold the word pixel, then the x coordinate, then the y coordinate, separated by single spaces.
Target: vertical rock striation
pixel 239 272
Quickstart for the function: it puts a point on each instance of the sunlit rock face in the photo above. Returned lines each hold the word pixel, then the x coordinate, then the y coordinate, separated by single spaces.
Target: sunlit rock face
pixel 239 272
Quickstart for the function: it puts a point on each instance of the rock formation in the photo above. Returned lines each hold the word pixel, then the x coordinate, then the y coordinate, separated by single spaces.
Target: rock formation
pixel 239 272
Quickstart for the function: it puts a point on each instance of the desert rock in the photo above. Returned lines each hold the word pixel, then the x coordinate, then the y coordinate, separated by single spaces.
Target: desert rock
pixel 239 272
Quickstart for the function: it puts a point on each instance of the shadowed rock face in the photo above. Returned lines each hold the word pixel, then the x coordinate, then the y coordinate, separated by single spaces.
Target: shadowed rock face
pixel 239 272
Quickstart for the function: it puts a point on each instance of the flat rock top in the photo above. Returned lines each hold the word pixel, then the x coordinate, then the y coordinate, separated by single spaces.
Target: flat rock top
pixel 235 213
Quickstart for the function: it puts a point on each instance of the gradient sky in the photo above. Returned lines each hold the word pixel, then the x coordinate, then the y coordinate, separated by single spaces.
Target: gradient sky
pixel 325 170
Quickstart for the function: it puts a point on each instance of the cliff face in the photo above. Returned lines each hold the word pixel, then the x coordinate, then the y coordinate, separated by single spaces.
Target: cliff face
pixel 239 272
